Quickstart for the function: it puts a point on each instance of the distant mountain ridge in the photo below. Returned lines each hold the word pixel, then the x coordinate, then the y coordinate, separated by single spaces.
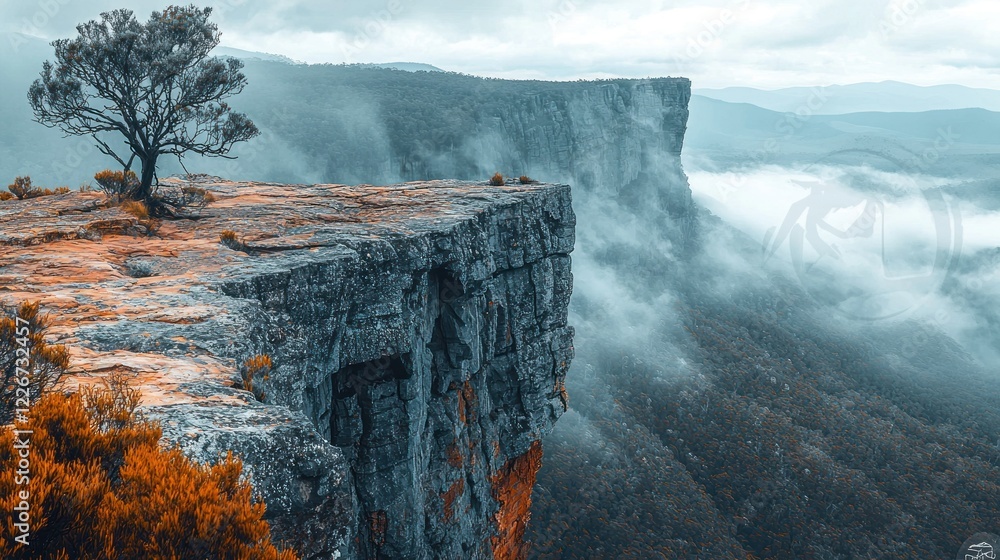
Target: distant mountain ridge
pixel 244 54
pixel 733 134
pixel 886 96
pixel 269 57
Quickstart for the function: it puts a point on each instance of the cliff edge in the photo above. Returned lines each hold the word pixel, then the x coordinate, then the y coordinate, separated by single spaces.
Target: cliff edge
pixel 418 334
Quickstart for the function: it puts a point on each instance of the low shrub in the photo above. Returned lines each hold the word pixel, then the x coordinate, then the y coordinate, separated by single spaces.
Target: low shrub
pixel 524 179
pixel 258 367
pixel 497 180
pixel 23 189
pixel 122 185
pixel 230 239
pixel 101 487
pixel 23 347
pixel 117 185
pixel 136 208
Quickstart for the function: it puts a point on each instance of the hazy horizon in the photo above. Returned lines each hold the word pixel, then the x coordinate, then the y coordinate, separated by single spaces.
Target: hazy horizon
pixel 716 44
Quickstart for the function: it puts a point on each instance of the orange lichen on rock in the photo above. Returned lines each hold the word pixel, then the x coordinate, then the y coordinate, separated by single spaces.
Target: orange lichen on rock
pixel 511 488
pixel 561 391
pixel 456 489
pixel 467 403
pixel 453 455
pixel 83 243
pixel 378 524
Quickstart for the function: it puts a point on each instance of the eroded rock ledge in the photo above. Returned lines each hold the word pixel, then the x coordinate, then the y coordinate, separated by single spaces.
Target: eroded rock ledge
pixel 418 333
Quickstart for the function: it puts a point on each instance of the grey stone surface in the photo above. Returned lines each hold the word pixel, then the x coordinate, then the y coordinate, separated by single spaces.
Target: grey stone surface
pixel 418 335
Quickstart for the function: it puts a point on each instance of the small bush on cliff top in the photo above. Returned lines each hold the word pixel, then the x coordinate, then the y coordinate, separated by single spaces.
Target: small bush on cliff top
pixel 230 239
pixel 256 367
pixel 116 184
pixel 497 179
pixel 22 332
pixel 102 488
pixel 22 189
pixel 136 208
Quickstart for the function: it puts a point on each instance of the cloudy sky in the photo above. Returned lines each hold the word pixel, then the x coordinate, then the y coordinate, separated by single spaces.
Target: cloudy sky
pixel 716 43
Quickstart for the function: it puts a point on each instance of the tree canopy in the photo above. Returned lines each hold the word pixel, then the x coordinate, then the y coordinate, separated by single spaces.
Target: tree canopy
pixel 154 83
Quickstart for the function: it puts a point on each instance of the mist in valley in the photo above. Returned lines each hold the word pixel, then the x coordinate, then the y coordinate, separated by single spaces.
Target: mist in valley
pixel 801 363
pixel 833 296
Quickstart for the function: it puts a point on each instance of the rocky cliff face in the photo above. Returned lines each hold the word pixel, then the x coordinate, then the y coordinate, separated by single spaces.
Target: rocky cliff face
pixel 418 334
pixel 615 141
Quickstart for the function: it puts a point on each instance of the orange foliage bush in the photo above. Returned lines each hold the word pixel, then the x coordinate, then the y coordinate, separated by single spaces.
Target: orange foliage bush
pixel 229 239
pixel 260 367
pixel 22 345
pixel 136 208
pixel 102 488
pixel 22 189
pixel 117 184
pixel 526 180
pixel 497 179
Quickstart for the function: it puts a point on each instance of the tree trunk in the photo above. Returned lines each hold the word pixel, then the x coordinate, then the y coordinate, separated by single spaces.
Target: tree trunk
pixel 145 189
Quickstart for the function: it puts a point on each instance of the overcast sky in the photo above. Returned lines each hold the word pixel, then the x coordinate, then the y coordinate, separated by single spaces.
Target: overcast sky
pixel 715 43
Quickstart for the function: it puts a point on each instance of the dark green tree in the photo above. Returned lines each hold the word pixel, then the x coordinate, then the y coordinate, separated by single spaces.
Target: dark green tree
pixel 154 83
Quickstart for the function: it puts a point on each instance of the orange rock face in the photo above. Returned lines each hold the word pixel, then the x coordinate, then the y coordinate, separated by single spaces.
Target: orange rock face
pixel 512 490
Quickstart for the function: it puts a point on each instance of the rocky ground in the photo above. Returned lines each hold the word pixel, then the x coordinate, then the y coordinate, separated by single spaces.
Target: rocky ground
pixel 420 328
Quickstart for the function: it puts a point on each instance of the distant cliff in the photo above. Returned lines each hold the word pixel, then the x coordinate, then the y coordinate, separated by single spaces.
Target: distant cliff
pixel 620 139
pixel 617 140
pixel 418 334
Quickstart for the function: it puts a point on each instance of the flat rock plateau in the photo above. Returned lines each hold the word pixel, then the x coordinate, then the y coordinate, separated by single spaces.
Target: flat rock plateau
pixel 418 334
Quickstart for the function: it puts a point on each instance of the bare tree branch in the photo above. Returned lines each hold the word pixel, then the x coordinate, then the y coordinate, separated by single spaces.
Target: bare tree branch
pixel 152 82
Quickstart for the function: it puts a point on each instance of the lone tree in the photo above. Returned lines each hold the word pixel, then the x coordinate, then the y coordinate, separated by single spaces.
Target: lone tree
pixel 154 83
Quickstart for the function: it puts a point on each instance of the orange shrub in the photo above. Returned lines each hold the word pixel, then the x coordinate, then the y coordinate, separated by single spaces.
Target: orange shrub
pixel 101 487
pixel 45 363
pixel 136 208
pixel 497 179
pixel 525 180
pixel 116 183
pixel 229 239
pixel 21 188
pixel 260 367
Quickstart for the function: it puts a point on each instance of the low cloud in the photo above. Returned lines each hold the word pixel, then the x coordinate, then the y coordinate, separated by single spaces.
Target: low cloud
pixel 716 43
